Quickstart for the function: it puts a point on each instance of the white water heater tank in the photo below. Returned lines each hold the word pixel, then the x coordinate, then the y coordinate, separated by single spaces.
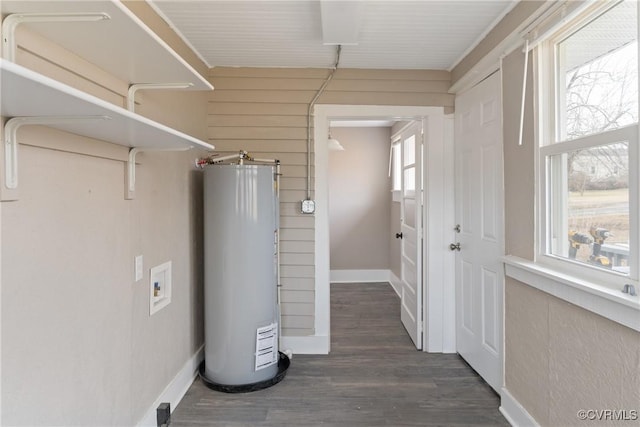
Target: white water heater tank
pixel 241 211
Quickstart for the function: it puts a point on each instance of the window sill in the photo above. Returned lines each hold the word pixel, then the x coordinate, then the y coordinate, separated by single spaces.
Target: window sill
pixel 611 304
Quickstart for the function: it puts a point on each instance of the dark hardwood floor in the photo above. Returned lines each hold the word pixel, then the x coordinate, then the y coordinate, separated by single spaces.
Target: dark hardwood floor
pixel 372 377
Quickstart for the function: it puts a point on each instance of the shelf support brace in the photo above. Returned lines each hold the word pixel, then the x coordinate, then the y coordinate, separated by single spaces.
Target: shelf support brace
pixel 130 175
pixel 11 22
pixel 9 187
pixel 131 94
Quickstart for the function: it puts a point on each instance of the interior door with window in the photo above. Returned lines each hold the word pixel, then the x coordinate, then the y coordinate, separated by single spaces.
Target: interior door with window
pixel 411 229
pixel 480 242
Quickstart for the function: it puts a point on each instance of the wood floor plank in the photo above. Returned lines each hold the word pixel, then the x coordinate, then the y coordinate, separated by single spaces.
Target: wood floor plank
pixel 373 377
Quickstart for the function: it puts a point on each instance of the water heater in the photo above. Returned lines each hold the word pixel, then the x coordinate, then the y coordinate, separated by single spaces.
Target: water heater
pixel 241 215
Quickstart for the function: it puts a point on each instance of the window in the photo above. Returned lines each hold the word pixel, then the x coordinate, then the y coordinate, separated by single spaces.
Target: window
pixel 588 156
pixel 396 167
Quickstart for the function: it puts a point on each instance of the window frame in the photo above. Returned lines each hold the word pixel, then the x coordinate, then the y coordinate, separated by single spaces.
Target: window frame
pixel 547 87
pixel 395 168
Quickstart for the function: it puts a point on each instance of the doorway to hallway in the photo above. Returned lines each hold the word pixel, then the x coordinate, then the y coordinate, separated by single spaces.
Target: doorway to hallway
pixel 364 213
pixel 437 327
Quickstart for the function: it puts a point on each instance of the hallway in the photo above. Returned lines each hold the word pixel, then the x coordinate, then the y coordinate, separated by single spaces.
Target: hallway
pixel 372 377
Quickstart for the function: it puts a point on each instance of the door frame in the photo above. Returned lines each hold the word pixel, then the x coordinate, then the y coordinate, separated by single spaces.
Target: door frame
pixel 440 321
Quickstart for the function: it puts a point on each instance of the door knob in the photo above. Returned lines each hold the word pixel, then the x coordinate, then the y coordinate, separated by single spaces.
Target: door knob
pixel 455 246
pixel 398 235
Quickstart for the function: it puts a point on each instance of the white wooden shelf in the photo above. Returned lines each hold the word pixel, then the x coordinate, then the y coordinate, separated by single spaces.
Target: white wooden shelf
pixel 121 45
pixel 26 94
pixel 107 34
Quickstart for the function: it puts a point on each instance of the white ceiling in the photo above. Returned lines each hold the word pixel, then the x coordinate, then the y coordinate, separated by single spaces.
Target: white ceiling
pixel 394 34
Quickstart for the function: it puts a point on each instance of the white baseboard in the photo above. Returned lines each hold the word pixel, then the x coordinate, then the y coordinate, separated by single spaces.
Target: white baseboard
pixel 178 387
pixel 313 344
pixel 514 412
pixel 175 391
pixel 359 276
pixel 395 282
pixel 366 276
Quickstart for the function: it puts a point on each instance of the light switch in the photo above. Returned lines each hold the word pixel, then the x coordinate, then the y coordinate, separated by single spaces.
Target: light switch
pixel 138 268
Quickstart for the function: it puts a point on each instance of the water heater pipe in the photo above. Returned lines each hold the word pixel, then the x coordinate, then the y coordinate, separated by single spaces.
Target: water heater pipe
pixel 215 159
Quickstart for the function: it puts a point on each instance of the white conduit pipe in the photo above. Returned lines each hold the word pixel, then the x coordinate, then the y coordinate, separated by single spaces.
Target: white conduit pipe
pixel 313 102
pixel 524 90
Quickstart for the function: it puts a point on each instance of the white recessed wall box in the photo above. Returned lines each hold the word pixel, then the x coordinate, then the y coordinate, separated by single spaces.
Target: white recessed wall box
pixel 159 287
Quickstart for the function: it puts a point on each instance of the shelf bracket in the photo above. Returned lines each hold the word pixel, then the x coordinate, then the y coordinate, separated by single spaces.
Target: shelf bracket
pixel 9 187
pixel 11 22
pixel 130 173
pixel 131 94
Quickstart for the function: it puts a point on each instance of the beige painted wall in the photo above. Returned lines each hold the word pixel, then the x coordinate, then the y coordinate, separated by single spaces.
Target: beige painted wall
pixel 359 199
pixel 78 345
pixel 559 358
pixel 518 166
pixel 263 110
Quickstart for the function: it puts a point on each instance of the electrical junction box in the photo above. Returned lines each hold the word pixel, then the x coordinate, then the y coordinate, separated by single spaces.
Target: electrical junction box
pixel 159 287
pixel 308 206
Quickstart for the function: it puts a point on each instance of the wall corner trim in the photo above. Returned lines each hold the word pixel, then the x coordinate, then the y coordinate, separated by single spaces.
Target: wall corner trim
pixel 514 412
pixel 312 344
pixel 176 389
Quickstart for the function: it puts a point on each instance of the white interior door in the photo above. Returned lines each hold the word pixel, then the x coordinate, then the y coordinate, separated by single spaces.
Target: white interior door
pixel 479 213
pixel 411 228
